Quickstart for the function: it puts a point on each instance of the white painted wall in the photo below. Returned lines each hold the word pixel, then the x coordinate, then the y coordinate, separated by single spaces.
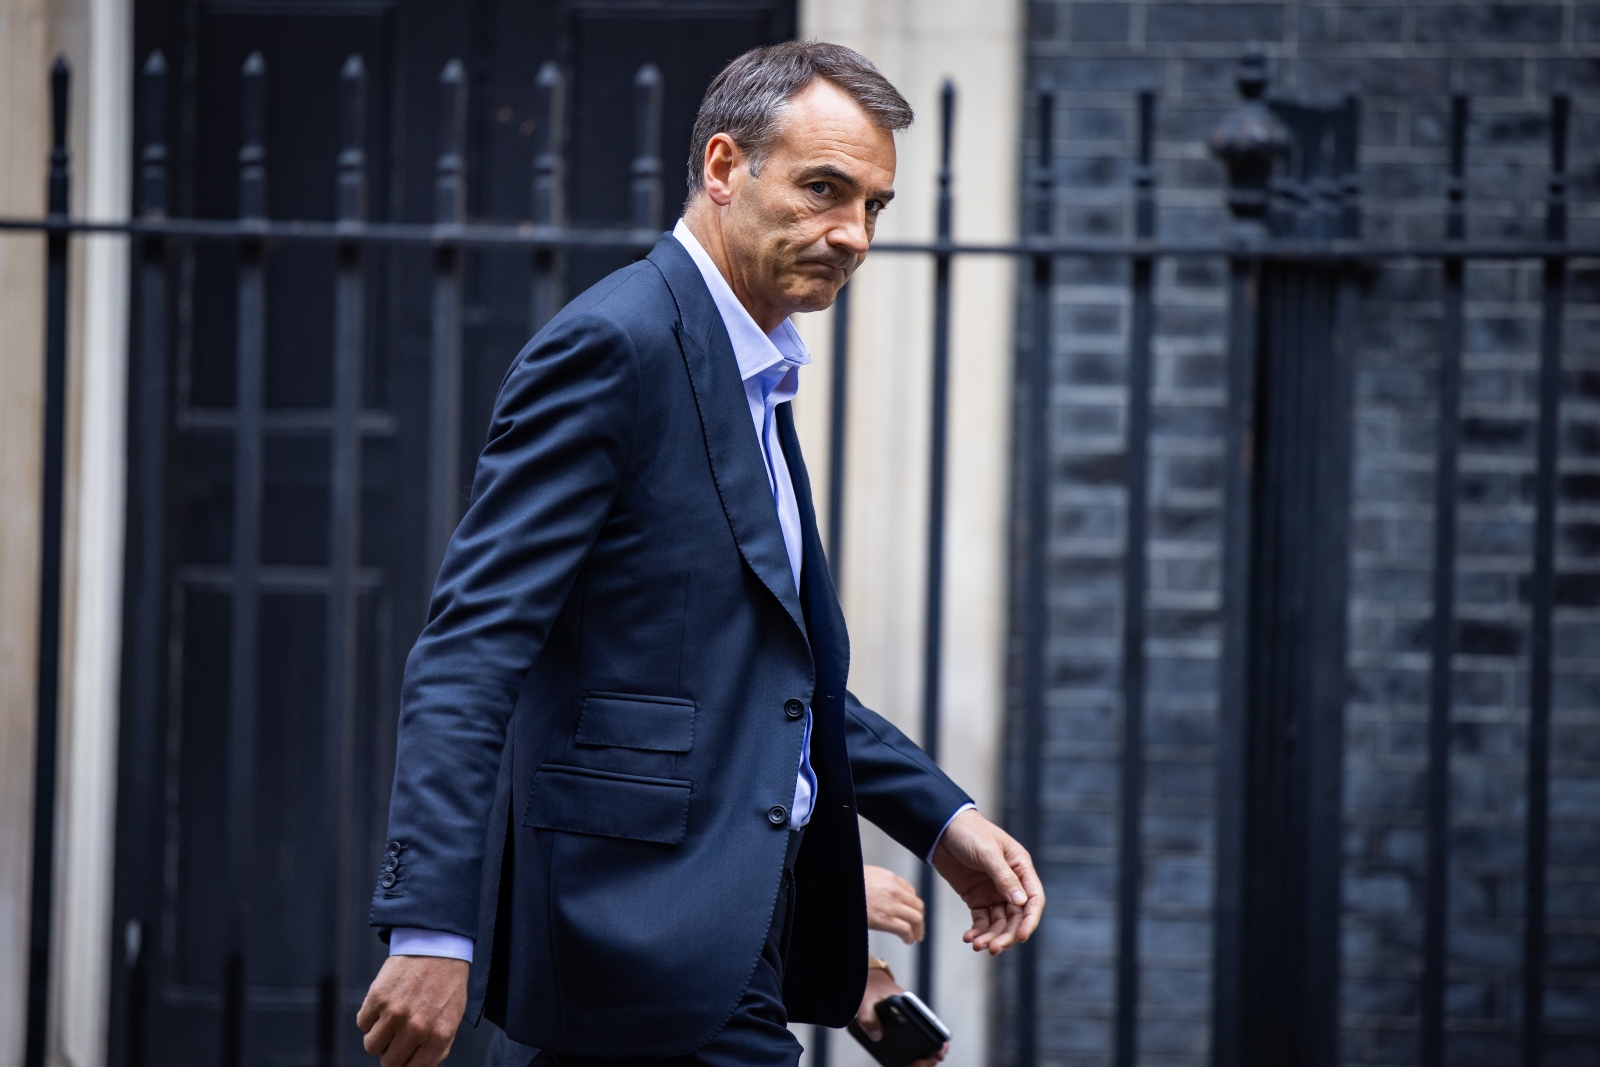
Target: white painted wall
pixel 918 43
pixel 96 37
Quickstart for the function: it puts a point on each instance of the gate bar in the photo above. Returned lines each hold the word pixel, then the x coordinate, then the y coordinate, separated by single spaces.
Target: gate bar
pixel 838 415
pixel 1036 381
pixel 1135 566
pixel 144 639
pixel 549 190
pixel 1540 646
pixel 47 696
pixel 938 432
pixel 344 544
pixel 646 187
pixel 247 477
pixel 444 398
pixel 1248 142
pixel 1436 887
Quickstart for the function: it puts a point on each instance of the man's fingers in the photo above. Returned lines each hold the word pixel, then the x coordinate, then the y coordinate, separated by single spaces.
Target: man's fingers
pixel 1031 915
pixel 378 1036
pixel 1004 878
pixel 401 1046
pixel 368 1014
pixel 432 1050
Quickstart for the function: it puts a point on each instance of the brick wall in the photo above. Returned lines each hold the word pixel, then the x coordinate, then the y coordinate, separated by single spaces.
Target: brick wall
pixel 1403 60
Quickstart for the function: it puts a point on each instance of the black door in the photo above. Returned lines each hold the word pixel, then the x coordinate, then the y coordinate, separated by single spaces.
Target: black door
pixel 174 892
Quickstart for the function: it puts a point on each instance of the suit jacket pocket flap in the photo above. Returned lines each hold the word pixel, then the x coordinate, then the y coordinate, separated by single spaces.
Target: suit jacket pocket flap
pixel 583 801
pixel 657 724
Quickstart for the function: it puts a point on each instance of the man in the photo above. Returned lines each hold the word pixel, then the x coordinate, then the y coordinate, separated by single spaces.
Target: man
pixel 626 720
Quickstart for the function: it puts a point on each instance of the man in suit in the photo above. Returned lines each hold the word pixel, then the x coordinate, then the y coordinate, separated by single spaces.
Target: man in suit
pixel 628 775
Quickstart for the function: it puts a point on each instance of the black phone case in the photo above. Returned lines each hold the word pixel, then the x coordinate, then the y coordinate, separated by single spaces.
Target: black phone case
pixel 907 1036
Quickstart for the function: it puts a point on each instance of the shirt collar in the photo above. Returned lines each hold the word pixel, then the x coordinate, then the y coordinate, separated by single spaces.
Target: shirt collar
pixel 754 350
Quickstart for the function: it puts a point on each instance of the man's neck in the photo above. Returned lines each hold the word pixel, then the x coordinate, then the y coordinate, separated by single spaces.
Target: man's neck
pixel 704 219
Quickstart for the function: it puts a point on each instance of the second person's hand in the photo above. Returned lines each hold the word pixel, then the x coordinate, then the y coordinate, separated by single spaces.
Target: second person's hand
pixel 893 906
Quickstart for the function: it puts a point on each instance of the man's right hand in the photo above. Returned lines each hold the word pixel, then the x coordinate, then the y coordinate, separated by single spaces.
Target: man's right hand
pixel 412 1010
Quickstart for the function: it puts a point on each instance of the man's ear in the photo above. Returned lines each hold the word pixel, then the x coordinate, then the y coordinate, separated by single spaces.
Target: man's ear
pixel 722 156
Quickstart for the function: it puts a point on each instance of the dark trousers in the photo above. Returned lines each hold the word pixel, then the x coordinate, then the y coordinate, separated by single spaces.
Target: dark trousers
pixel 755 1035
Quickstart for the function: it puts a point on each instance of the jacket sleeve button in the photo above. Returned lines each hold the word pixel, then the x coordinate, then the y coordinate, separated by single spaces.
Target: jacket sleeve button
pixel 388 880
pixel 391 863
pixel 778 815
pixel 793 708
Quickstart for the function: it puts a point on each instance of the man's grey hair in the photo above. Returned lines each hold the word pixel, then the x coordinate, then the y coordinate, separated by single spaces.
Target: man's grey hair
pixel 747 100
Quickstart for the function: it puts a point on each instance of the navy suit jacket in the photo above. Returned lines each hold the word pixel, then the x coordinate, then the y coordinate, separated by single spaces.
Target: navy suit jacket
pixel 598 744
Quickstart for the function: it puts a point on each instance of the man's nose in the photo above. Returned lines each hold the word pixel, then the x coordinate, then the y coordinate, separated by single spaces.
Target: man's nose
pixel 851 235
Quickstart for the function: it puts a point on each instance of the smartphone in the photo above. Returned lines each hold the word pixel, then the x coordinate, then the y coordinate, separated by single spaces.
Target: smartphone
pixel 911 1031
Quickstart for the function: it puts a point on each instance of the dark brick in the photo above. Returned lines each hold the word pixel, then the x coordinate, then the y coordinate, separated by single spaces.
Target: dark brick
pixel 1494 76
pixel 1576 1003
pixel 1097 124
pixel 1079 881
pixel 1476 947
pixel 1091 368
pixel 1079 778
pixel 1573 74
pixel 1092 172
pixel 1586 30
pixel 1378 996
pixel 1079 672
pixel 1482 637
pixel 1099 23
pixel 1190 22
pixel 1519 23
pixel 1175 986
pixel 1374 77
pixel 1043 22
pixel 1178 834
pixel 1180 727
pixel 1080 829
pixel 1169 883
pixel 1496 435
pixel 1091 221
pixel 1107 74
pixel 1091 470
pixel 1370 25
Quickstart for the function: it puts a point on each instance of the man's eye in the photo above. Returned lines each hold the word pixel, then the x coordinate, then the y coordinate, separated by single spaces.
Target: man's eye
pixel 874 206
pixel 820 188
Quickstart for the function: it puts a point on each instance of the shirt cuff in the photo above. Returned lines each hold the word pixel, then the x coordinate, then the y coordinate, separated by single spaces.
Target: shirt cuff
pixel 410 941
pixel 969 805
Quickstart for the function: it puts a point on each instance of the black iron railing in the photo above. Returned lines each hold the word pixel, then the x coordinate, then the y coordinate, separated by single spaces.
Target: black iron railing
pixel 1293 259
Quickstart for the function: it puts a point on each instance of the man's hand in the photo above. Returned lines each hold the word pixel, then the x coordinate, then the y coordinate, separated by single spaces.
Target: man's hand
pixel 879 985
pixel 995 876
pixel 892 905
pixel 412 1010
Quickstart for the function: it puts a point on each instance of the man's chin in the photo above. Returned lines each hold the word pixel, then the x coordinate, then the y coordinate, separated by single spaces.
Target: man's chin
pixel 815 296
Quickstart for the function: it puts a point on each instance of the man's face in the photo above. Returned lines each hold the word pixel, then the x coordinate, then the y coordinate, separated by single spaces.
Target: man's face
pixel 796 231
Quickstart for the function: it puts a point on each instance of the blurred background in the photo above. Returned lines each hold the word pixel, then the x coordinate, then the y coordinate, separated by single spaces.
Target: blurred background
pixel 1209 455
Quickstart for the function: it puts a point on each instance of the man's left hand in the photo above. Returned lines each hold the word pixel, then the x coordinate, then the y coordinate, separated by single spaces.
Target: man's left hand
pixel 995 876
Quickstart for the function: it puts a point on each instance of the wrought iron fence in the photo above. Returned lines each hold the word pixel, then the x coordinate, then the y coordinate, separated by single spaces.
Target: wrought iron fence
pixel 1294 266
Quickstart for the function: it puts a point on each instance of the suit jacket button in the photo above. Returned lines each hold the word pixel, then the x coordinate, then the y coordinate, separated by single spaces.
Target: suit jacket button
pixel 388 880
pixel 392 862
pixel 778 815
pixel 394 848
pixel 793 708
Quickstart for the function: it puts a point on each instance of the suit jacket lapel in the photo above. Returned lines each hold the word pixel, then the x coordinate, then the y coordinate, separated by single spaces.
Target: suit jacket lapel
pixel 737 465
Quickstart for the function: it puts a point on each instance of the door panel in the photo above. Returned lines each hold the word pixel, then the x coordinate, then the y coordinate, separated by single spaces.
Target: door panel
pixel 174 897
